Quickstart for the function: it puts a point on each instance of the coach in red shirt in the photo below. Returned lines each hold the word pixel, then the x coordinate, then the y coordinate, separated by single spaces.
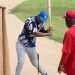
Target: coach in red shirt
pixel 67 63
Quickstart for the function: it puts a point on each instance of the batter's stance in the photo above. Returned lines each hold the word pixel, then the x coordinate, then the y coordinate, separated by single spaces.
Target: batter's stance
pixel 26 43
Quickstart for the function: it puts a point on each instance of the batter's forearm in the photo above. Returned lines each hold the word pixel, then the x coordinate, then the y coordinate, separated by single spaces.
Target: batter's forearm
pixel 40 34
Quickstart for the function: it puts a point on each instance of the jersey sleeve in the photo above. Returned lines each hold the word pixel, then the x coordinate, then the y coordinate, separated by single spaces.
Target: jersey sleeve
pixel 67 43
pixel 43 30
pixel 30 27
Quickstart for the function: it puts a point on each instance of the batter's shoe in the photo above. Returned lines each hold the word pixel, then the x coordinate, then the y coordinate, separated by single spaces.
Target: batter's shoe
pixel 46 74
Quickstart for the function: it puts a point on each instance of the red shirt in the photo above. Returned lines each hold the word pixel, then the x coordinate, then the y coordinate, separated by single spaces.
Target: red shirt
pixel 68 57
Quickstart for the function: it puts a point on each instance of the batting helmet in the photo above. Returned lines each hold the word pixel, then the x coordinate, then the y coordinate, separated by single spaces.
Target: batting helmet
pixel 43 16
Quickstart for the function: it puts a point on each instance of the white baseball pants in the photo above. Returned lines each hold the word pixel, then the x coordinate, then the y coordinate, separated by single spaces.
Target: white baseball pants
pixel 31 51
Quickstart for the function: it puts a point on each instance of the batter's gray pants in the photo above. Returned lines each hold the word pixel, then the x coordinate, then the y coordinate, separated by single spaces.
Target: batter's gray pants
pixel 31 51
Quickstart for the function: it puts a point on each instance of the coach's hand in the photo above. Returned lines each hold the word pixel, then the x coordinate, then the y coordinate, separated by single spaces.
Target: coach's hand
pixel 60 68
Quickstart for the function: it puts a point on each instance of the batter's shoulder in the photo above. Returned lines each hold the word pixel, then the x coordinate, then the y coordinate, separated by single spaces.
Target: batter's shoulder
pixel 69 32
pixel 29 20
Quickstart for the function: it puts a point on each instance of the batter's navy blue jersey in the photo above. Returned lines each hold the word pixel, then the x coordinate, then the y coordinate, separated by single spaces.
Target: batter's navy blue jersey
pixel 26 37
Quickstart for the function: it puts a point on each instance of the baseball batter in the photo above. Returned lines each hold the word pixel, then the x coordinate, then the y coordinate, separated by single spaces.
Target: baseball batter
pixel 26 43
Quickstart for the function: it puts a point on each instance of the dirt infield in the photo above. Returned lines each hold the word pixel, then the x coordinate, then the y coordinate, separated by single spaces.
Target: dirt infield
pixel 49 50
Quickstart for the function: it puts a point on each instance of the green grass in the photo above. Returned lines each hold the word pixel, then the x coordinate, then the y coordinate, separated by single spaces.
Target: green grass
pixel 59 7
pixel 29 8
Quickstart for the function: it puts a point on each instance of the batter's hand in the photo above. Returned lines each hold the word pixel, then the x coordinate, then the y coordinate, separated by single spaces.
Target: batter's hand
pixel 49 29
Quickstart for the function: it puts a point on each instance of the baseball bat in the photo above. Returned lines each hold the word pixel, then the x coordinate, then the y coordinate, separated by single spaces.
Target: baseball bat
pixel 38 62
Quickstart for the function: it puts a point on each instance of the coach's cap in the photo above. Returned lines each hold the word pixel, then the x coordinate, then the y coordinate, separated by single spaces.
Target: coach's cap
pixel 43 16
pixel 70 14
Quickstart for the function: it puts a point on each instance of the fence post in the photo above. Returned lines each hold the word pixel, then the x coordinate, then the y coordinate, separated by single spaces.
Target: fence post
pixel 6 61
pixel 1 46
